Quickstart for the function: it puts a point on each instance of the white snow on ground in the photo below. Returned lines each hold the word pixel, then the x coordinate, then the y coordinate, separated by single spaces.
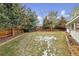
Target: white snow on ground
pixel 48 40
pixel 45 53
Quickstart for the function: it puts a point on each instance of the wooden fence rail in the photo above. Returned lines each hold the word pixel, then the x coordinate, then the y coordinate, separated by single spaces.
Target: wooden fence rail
pixel 8 33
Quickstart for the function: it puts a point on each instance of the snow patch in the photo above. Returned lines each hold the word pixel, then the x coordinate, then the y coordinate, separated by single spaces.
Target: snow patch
pixel 48 40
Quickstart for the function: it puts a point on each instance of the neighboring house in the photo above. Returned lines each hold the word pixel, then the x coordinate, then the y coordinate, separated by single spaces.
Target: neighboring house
pixel 38 28
pixel 73 28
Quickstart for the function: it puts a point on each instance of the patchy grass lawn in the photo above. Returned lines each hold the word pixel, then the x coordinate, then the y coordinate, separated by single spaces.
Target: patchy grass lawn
pixel 28 45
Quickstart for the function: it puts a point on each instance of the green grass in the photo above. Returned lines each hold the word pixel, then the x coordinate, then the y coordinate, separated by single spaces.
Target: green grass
pixel 27 45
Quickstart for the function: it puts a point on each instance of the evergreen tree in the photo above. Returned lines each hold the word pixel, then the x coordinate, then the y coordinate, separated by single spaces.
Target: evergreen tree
pixel 62 23
pixel 52 17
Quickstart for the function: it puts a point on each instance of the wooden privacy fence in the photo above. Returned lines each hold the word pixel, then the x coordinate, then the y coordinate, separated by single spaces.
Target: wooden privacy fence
pixel 9 32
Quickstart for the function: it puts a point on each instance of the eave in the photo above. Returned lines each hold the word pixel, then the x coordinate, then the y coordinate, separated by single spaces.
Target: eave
pixel 73 20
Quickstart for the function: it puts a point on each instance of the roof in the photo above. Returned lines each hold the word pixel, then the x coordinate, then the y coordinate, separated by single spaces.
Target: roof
pixel 73 20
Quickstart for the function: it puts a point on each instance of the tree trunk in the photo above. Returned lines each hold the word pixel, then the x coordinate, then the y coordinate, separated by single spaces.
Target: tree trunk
pixel 51 28
pixel 12 32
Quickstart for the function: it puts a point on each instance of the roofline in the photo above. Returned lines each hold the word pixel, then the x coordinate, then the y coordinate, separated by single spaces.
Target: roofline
pixel 72 20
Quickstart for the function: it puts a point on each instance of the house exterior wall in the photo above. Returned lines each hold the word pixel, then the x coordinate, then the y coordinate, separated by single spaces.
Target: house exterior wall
pixel 72 30
pixel 77 25
pixel 75 35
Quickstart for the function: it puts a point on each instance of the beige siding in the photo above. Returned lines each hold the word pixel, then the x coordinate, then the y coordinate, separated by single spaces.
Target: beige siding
pixel 75 35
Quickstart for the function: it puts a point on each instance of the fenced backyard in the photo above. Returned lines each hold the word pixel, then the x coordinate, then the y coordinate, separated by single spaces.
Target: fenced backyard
pixel 26 32
pixel 7 34
pixel 37 44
